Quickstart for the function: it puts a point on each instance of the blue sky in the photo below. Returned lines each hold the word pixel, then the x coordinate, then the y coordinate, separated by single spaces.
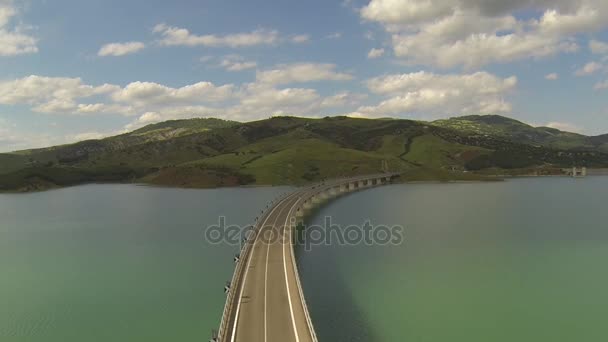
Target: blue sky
pixel 72 70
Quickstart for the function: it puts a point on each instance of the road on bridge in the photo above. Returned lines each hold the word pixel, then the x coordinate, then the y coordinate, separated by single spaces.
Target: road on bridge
pixel 268 303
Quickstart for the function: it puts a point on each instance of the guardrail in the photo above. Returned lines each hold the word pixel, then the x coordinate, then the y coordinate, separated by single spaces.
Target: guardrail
pixel 311 327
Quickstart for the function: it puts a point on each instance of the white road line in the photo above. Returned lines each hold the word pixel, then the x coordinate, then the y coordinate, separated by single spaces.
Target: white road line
pixel 238 307
pixel 293 319
pixel 266 295
pixel 266 282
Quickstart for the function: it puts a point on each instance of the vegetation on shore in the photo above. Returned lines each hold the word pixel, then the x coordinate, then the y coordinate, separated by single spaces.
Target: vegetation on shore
pixel 290 150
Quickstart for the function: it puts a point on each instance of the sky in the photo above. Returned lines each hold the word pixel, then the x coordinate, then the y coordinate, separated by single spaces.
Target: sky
pixel 72 70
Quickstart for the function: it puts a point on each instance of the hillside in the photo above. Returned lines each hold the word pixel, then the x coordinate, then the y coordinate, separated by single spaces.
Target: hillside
pixel 513 130
pixel 290 150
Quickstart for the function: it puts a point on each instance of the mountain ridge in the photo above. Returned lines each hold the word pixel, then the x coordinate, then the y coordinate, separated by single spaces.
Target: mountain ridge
pixel 290 150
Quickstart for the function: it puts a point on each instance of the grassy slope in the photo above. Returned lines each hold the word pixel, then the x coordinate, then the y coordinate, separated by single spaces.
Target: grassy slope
pixel 287 150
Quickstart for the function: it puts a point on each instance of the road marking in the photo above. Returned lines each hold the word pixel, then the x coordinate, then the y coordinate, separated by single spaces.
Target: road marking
pixel 293 319
pixel 266 295
pixel 266 281
pixel 238 307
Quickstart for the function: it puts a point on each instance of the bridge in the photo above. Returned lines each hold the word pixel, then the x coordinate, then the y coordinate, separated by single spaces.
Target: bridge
pixel 265 301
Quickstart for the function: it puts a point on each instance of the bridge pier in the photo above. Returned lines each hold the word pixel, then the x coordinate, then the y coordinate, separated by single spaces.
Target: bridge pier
pixel 361 184
pixel 351 186
pixel 334 191
pixel 343 187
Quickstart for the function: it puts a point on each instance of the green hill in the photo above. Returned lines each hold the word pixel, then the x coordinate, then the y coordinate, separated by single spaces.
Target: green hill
pixel 290 150
pixel 513 130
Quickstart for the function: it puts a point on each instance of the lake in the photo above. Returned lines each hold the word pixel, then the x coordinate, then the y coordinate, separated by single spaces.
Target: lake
pixel 117 262
pixel 522 260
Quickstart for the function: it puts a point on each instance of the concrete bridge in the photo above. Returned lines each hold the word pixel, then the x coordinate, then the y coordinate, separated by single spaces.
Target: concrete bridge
pixel 265 301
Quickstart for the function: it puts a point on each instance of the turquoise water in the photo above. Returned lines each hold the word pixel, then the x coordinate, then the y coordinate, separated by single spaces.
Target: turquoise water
pixel 524 260
pixel 116 262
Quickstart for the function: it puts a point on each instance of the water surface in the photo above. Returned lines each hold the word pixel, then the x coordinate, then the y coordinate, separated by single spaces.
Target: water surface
pixel 523 260
pixel 116 262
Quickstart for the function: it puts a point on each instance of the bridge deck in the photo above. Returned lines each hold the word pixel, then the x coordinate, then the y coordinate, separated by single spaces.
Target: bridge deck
pixel 267 303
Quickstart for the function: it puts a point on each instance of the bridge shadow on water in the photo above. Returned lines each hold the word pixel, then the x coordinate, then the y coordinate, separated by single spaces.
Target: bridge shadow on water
pixel 332 306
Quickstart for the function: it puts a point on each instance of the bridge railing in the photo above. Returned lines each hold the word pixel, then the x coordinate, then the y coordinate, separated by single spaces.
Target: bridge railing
pixel 311 327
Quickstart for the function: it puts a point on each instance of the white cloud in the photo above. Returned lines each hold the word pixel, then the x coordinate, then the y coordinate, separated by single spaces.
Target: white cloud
pixel 433 94
pixel 552 77
pixel 13 41
pixel 301 38
pixel 301 73
pixel 597 47
pixel 66 95
pixel 472 33
pixel 589 69
pixel 49 94
pixel 601 85
pixel 175 36
pixel 120 49
pixel 565 126
pixel 237 63
pixel 151 102
pixel 335 35
pixel 395 12
pixel 147 93
pixel 375 53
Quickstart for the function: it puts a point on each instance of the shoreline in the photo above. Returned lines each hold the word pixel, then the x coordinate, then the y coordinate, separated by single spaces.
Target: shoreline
pixel 487 179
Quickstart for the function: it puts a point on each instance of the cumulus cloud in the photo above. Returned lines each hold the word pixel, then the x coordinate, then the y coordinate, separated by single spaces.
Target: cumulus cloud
pixel 147 93
pixel 301 38
pixel 237 63
pixel 552 77
pixel 71 96
pixel 175 36
pixel 375 53
pixel 49 94
pixel 301 73
pixel 120 49
pixel 472 33
pixel 152 102
pixel 432 94
pixel 13 40
pixel 589 69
